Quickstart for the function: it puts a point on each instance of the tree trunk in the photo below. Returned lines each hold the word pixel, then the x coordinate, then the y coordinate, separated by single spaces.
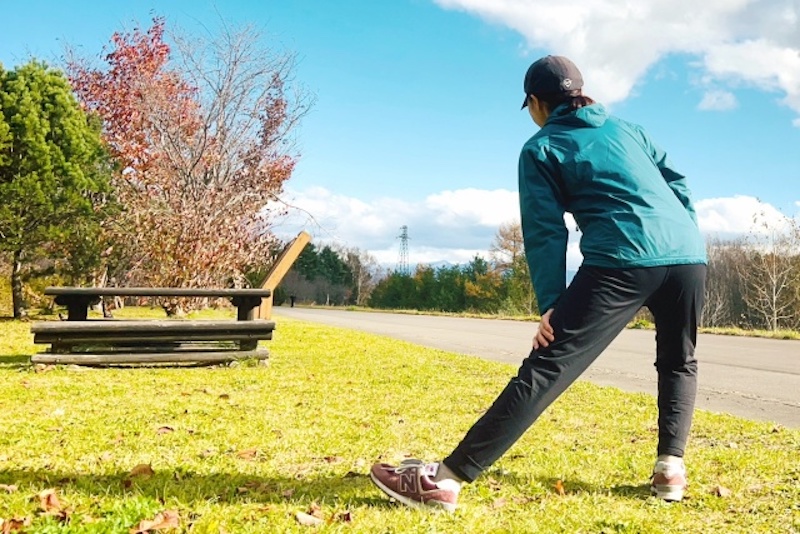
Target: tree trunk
pixel 17 296
pixel 173 308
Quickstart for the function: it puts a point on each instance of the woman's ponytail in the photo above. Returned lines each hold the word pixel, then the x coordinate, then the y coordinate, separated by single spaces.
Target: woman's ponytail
pixel 574 100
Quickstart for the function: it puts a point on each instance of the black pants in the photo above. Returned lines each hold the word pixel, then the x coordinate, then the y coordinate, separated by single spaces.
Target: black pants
pixel 593 310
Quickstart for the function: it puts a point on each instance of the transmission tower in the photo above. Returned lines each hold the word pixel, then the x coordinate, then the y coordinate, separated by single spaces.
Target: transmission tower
pixel 402 267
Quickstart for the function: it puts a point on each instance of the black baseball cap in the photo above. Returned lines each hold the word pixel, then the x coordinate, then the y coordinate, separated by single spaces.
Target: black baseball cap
pixel 551 74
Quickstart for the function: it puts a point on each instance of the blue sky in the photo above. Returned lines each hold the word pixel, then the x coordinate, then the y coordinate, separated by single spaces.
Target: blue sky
pixel 416 120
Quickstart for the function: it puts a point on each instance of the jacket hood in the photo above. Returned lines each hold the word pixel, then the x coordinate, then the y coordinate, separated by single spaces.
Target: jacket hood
pixel 592 116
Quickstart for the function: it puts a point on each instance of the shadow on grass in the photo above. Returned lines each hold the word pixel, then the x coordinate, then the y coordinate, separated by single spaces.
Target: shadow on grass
pixel 572 486
pixel 627 490
pixel 191 488
pixel 15 360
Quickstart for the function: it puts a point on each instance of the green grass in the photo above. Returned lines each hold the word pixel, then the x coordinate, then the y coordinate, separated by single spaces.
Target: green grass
pixel 6 309
pixel 244 449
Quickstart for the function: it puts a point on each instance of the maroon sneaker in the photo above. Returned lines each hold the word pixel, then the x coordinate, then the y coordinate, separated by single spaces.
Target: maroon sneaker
pixel 412 484
pixel 669 481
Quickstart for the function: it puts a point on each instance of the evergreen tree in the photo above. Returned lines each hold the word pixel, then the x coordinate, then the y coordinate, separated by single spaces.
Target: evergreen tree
pixel 51 169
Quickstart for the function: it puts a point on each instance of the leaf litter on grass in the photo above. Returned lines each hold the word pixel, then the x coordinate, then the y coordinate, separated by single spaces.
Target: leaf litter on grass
pixel 313 438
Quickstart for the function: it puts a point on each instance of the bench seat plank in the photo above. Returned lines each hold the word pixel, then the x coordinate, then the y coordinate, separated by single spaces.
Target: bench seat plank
pixel 78 299
pixel 155 292
pixel 145 327
pixel 117 358
pixel 68 336
pixel 118 338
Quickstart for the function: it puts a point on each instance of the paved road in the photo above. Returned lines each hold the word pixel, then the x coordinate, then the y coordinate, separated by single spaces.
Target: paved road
pixel 749 377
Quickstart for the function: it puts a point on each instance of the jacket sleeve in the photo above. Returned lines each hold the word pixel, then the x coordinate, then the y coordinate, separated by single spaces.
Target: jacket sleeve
pixel 675 180
pixel 543 230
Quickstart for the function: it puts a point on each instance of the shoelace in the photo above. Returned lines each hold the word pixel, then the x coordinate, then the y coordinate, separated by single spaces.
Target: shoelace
pixel 427 469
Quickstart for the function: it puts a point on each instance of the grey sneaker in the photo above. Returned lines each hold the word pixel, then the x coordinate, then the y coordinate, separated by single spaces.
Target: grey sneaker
pixel 669 480
pixel 412 484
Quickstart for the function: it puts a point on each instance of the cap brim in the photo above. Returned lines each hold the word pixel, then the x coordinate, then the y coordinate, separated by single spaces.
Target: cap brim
pixel 524 103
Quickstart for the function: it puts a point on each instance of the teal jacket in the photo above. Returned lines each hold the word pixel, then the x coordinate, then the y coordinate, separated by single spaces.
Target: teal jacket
pixel 632 208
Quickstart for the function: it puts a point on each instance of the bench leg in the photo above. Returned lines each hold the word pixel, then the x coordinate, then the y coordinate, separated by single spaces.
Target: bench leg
pixel 248 344
pixel 60 348
pixel 246 307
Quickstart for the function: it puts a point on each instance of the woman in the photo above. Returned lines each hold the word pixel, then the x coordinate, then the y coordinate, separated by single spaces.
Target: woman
pixel 641 246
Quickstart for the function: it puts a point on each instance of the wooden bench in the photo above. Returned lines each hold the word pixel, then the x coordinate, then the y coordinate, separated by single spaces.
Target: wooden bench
pixel 80 340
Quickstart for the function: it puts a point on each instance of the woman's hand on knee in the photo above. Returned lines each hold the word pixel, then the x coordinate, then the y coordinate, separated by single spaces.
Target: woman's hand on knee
pixel 544 336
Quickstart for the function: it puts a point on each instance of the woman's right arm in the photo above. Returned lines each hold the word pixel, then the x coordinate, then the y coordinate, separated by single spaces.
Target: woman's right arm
pixel 543 229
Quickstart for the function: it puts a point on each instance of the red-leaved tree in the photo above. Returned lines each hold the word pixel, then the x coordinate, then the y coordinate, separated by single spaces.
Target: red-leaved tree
pixel 202 136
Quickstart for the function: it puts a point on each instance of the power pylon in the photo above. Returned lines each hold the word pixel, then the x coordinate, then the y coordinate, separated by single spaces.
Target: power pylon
pixel 402 266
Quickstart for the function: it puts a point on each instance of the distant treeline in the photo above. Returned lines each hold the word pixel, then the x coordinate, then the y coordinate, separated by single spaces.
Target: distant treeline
pixel 753 282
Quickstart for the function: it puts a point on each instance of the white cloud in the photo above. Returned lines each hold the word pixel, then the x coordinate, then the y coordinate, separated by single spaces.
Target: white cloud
pixel 449 226
pixel 716 100
pixel 760 62
pixel 455 226
pixel 472 206
pixel 428 255
pixel 738 216
pixel 615 42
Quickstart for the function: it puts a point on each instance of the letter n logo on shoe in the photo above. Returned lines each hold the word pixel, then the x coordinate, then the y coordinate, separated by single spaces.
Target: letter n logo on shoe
pixel 408 482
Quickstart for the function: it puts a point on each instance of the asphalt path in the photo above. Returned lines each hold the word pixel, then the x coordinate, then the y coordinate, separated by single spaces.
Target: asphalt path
pixel 754 378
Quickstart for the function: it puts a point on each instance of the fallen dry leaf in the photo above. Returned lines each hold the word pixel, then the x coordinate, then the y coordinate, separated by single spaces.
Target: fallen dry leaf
pixel 248 454
pixel 48 500
pixel 308 520
pixel 343 517
pixel 162 521
pixel 51 506
pixel 288 494
pixel 224 396
pixel 8 488
pixel 142 470
pixel 721 491
pixel 14 524
pixel 315 510
pixel 165 429
pixel 499 503
pixel 559 487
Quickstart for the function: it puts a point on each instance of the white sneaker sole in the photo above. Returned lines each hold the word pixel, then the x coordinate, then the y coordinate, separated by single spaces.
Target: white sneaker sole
pixel 668 493
pixel 430 505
